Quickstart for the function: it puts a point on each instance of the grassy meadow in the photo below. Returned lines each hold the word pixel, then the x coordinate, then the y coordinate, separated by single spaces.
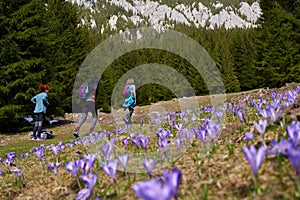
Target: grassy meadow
pixel 195 154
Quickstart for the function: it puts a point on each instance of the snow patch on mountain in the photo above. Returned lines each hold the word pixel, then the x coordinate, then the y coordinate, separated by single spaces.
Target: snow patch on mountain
pixel 157 15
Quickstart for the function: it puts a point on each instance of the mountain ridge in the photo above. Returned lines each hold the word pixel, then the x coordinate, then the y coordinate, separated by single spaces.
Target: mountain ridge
pixel 162 16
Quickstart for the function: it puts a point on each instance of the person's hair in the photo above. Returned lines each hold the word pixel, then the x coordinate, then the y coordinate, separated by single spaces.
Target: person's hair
pixel 130 81
pixel 43 87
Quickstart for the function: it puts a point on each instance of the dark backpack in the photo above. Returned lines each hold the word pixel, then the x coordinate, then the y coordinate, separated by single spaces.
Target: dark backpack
pixel 83 91
pixel 126 91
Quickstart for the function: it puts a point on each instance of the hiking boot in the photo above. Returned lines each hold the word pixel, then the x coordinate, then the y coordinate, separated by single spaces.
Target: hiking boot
pixel 76 134
pixel 91 130
pixel 130 122
pixel 125 120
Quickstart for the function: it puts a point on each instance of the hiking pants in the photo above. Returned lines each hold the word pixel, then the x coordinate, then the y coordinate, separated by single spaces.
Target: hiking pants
pixel 39 118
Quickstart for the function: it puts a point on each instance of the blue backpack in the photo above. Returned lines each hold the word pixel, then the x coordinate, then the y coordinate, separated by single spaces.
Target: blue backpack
pixel 83 91
pixel 126 92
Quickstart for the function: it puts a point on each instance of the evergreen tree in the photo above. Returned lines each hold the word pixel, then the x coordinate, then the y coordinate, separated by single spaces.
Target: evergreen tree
pixel 42 44
pixel 278 45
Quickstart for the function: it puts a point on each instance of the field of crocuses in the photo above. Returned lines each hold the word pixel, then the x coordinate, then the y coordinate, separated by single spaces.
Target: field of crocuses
pixel 247 148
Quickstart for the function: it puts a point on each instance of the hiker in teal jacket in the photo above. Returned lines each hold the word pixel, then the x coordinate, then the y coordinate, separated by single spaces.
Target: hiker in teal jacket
pixel 130 102
pixel 41 102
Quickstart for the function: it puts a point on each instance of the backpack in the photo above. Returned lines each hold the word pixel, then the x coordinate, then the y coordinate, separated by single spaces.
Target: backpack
pixel 126 91
pixel 83 91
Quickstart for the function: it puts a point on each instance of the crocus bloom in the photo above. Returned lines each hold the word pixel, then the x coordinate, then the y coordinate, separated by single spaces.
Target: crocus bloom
pixel 17 172
pixel 255 158
pixel 135 142
pixel 293 132
pixel 72 167
pixel 53 167
pixel 276 113
pixel 106 150
pixel 152 190
pixel 24 155
pixel 261 126
pixel 149 165
pixel 83 194
pixel 39 152
pixel 88 163
pixel 111 168
pixel 212 129
pixel 123 160
pixel 294 158
pixel 1 172
pixel 163 143
pixel 173 180
pixel 200 133
pixel 90 180
pixel 125 142
pixel 11 156
pixel 144 142
pixel 54 149
pixel 280 147
pixel 248 136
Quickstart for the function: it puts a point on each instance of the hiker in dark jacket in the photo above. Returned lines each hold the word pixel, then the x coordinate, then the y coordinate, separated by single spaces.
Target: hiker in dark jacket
pixel 88 105
pixel 41 102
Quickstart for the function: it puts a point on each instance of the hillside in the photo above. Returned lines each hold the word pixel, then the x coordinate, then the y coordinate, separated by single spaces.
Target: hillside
pixel 164 14
pixel 209 166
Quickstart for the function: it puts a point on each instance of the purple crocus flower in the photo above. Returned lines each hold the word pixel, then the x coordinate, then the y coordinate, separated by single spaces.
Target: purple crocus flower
pixel 125 142
pixel 179 142
pixel 1 172
pixel 255 158
pixel 17 172
pixel 173 180
pixel 7 162
pixel 53 167
pixel 293 154
pixel 240 113
pixel 106 150
pixel 149 165
pixel 72 167
pixel 110 168
pixel 248 136
pixel 135 142
pixel 261 126
pixel 265 113
pixel 84 194
pixel 178 126
pixel 200 133
pixel 24 155
pixel 144 142
pixel 88 163
pixel 152 190
pixel 39 151
pixel 89 180
pixel 163 143
pixel 212 128
pixel 123 160
pixel 280 147
pixel 11 156
pixel 54 149
pixel 275 113
pixel 293 132
pixel 163 133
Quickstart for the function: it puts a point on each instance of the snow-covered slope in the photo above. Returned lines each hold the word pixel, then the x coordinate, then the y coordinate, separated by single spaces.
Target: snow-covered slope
pixel 158 15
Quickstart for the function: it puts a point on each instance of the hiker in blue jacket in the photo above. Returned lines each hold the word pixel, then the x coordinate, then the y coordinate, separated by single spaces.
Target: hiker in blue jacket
pixel 88 105
pixel 41 102
pixel 129 100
